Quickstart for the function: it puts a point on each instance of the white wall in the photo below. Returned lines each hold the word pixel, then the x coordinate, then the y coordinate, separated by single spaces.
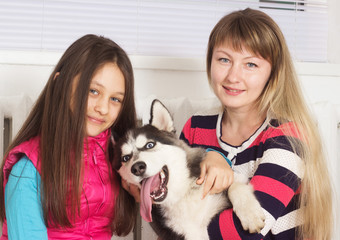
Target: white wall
pixel 333 48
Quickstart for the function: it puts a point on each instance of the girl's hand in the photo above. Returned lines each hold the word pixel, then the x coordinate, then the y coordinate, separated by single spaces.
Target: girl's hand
pixel 132 189
pixel 216 173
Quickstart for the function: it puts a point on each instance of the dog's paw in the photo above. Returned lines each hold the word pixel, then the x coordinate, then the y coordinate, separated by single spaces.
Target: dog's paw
pixel 251 216
pixel 246 207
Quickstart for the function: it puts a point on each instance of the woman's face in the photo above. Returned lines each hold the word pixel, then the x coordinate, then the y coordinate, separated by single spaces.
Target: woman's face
pixel 107 90
pixel 238 77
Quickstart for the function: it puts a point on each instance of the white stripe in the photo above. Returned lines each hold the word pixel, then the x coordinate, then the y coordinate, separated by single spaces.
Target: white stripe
pixel 286 159
pixel 247 169
pixel 284 223
pixel 288 221
pixel 281 157
pixel 269 222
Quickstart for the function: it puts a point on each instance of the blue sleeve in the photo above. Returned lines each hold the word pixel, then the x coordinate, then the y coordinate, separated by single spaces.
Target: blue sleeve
pixel 22 203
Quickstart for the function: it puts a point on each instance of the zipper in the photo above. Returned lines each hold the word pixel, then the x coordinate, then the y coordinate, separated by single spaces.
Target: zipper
pixel 100 176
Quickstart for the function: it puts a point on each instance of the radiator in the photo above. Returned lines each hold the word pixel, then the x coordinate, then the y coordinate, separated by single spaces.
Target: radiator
pixel 13 112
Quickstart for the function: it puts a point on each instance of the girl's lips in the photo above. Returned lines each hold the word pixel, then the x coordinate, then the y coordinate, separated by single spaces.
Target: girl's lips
pixel 233 91
pixel 96 120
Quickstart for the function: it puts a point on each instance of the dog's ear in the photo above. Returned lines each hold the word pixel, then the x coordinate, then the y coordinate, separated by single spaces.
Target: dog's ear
pixel 161 117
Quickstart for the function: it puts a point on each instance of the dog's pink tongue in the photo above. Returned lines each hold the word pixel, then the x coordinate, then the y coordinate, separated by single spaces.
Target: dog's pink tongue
pixel 146 203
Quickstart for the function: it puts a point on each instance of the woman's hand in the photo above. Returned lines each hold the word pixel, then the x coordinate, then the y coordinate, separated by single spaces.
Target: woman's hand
pixel 132 189
pixel 216 173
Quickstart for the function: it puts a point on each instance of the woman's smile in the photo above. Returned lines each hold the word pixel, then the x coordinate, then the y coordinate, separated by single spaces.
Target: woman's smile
pixel 233 91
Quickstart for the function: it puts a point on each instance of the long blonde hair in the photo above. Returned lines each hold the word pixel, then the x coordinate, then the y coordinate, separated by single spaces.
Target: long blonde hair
pixel 282 98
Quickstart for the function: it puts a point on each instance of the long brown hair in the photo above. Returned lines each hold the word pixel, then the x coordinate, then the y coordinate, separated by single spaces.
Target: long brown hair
pixel 62 129
pixel 282 99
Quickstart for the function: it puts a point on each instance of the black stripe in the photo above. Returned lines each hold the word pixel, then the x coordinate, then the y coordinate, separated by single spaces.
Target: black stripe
pixel 182 137
pixel 214 229
pixel 293 205
pixel 256 151
pixel 280 174
pixel 245 234
pixel 271 204
pixel 288 234
pixel 205 122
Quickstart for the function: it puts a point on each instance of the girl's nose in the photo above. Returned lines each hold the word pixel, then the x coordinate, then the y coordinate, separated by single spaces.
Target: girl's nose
pixel 101 106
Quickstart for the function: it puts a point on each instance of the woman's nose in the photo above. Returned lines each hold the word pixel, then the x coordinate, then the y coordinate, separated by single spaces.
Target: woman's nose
pixel 234 73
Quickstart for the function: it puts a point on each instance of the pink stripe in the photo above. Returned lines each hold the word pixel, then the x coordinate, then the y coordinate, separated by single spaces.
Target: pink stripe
pixel 276 132
pixel 186 130
pixel 258 140
pixel 273 187
pixel 227 226
pixel 206 137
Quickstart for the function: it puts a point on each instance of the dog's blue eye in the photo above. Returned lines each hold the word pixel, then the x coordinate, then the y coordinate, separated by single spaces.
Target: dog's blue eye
pixel 149 145
pixel 126 158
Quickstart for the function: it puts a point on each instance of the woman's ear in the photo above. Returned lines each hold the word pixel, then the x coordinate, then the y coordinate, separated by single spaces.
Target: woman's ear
pixel 56 75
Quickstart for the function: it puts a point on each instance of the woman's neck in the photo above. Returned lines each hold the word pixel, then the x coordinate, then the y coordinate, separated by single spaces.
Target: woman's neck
pixel 238 126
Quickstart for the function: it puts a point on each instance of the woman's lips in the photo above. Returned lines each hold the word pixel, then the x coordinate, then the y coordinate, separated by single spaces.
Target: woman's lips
pixel 233 91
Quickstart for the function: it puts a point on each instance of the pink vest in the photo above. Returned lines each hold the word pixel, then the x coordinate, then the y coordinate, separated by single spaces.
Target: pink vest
pixel 97 199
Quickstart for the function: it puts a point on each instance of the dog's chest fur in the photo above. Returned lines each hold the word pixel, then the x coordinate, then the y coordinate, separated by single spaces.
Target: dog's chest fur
pixel 191 215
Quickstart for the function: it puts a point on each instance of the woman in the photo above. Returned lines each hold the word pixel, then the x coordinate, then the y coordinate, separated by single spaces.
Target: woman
pixel 265 129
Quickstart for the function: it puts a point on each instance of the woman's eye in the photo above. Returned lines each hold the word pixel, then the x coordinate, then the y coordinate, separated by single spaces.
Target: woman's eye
pixel 149 145
pixel 224 60
pixel 126 158
pixel 251 65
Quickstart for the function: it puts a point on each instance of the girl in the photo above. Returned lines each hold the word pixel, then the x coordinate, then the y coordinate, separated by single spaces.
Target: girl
pixel 264 129
pixel 57 181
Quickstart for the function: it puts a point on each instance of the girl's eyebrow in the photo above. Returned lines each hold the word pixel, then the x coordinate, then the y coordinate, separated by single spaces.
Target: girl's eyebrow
pixel 94 82
pixel 102 86
pixel 120 93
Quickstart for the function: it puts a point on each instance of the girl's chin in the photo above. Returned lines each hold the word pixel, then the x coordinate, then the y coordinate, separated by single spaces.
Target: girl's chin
pixel 91 132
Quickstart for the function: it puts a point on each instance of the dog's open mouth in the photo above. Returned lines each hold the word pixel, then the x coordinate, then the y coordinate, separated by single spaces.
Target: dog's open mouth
pixel 159 193
pixel 153 189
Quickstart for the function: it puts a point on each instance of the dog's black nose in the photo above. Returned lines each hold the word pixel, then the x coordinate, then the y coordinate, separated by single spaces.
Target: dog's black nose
pixel 138 168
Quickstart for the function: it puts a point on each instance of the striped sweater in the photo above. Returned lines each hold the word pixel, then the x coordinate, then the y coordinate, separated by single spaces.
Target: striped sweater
pixel 272 167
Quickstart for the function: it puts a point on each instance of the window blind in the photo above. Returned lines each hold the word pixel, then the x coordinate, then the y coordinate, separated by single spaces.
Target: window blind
pixel 174 28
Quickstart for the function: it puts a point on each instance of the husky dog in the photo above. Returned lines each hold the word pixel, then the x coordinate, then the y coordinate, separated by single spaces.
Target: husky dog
pixel 166 170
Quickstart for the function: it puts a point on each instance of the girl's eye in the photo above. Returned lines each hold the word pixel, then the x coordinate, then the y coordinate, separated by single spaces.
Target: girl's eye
pixel 93 91
pixel 115 99
pixel 149 145
pixel 251 65
pixel 126 158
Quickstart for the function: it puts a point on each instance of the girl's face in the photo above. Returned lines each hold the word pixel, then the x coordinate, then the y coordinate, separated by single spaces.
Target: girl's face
pixel 105 99
pixel 238 78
